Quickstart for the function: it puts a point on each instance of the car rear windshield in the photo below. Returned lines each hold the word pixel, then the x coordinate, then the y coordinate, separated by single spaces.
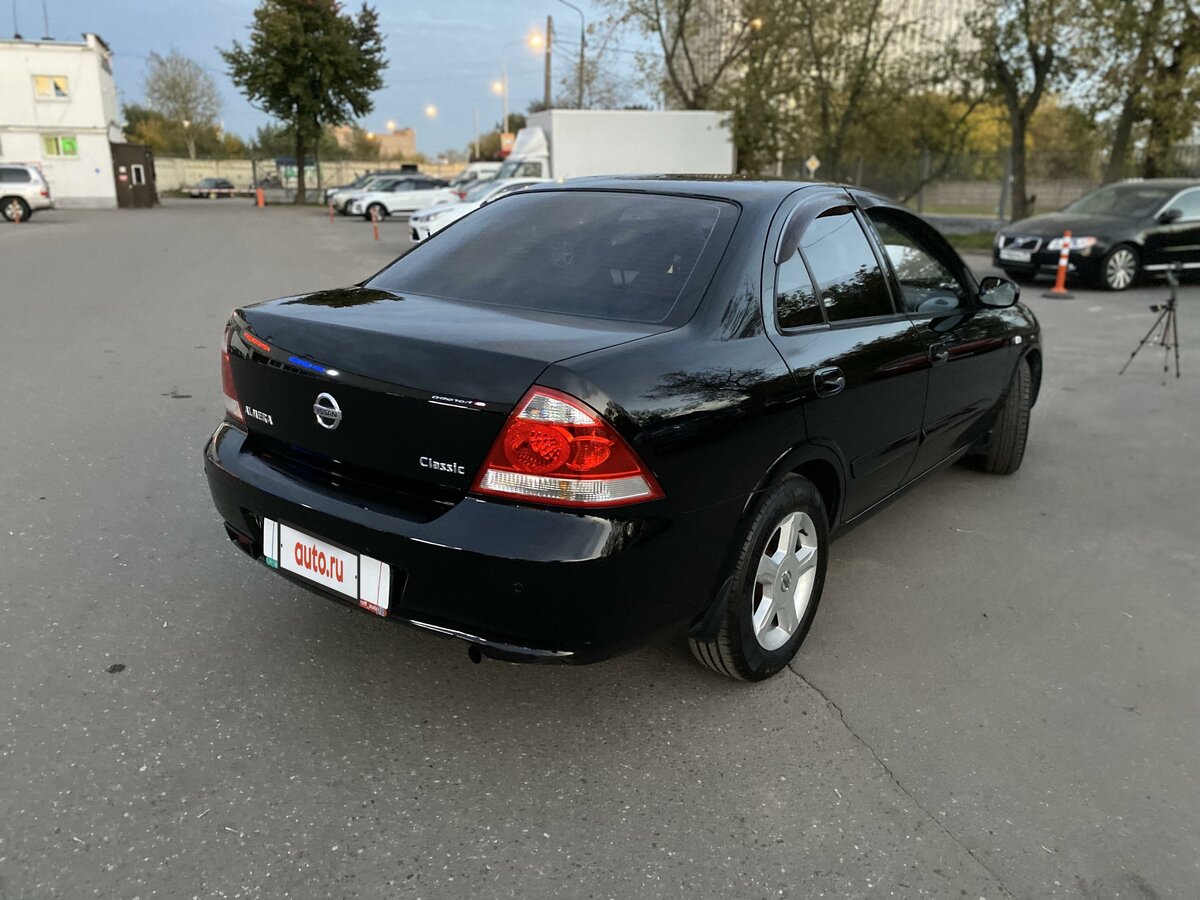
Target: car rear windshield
pixel 604 254
pixel 1134 200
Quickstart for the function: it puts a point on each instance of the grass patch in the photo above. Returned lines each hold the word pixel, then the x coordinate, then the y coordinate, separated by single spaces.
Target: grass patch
pixel 981 240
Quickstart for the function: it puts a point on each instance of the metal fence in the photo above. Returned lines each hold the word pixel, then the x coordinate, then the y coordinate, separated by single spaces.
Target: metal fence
pixel 979 184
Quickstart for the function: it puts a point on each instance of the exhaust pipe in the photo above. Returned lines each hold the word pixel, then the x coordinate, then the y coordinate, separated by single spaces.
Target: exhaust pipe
pixel 474 653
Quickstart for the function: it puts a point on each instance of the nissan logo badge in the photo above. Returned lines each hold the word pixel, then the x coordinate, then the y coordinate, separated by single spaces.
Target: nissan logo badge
pixel 327 411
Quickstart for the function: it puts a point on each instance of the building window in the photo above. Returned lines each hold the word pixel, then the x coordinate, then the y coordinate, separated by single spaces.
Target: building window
pixel 60 145
pixel 138 173
pixel 51 87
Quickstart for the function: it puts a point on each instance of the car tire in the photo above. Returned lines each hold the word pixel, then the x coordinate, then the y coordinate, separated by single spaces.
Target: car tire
pixel 1006 444
pixel 14 207
pixel 773 591
pixel 1120 268
pixel 378 208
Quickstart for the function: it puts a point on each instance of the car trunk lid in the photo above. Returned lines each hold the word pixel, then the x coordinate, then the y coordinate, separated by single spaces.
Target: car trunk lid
pixel 368 390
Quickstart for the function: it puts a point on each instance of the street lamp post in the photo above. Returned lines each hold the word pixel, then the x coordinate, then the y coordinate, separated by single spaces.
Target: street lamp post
pixel 500 88
pixel 533 41
pixel 547 100
pixel 582 45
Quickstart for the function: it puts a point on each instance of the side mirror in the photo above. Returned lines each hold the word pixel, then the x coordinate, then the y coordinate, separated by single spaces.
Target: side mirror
pixel 1167 216
pixel 998 293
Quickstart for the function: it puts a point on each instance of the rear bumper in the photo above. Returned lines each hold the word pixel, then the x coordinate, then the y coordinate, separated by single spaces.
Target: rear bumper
pixel 520 582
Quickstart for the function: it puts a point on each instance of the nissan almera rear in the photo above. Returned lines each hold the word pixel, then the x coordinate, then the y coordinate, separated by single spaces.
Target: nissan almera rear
pixel 587 413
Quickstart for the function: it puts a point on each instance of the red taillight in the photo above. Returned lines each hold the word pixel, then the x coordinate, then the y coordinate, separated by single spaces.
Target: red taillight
pixel 232 406
pixel 45 192
pixel 462 195
pixel 554 449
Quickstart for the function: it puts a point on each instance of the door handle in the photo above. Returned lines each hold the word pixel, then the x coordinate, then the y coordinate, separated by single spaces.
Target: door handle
pixel 828 381
pixel 939 354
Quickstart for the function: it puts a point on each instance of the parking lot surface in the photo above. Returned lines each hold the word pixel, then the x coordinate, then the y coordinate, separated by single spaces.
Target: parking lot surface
pixel 998 697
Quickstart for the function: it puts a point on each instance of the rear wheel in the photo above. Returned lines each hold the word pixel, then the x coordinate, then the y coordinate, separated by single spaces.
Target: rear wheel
pixel 15 208
pixel 1006 447
pixel 375 211
pixel 775 586
pixel 1119 268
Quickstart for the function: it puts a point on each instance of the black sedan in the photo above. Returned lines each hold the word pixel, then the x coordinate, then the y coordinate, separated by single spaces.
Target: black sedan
pixel 1118 232
pixel 591 411
pixel 212 188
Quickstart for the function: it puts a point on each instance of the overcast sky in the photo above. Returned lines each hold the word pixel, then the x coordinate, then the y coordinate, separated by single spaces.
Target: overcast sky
pixel 441 52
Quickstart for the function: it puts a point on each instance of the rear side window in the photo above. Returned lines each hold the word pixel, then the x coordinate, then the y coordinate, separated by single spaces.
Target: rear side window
pixel 14 176
pixel 609 255
pixel 847 273
pixel 795 297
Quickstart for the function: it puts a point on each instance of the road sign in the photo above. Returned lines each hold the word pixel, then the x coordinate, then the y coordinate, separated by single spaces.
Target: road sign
pixel 812 164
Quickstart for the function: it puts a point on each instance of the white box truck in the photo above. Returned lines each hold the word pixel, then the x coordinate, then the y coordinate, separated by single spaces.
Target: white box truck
pixel 569 143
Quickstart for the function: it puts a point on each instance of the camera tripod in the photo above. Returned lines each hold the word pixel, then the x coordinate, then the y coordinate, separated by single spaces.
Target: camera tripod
pixel 1165 329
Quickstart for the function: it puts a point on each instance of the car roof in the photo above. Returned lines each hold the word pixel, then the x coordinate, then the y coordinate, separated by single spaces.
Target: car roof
pixel 1173 184
pixel 739 189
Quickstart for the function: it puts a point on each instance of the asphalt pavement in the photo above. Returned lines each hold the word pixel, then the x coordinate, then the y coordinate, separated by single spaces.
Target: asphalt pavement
pixel 998 697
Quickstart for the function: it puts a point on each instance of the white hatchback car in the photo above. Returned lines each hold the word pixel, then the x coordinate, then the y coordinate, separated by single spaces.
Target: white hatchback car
pixel 403 195
pixel 23 189
pixel 434 219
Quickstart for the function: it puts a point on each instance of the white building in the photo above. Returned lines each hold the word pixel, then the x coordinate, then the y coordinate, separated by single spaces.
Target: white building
pixel 58 109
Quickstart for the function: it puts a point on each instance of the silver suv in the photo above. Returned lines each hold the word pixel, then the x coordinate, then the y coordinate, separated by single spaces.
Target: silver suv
pixel 22 190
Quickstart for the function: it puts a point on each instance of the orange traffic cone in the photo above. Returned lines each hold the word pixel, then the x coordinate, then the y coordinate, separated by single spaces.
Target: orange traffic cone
pixel 260 197
pixel 1059 291
pixel 375 221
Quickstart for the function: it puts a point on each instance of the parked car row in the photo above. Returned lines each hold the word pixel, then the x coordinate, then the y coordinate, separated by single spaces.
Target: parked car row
pixel 23 189
pixel 435 218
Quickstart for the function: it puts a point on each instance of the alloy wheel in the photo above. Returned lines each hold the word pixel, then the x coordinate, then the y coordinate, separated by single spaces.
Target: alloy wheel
pixel 783 583
pixel 13 210
pixel 1120 269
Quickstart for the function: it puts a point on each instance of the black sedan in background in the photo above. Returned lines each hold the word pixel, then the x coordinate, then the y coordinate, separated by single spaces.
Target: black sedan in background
pixel 212 188
pixel 590 411
pixel 1118 232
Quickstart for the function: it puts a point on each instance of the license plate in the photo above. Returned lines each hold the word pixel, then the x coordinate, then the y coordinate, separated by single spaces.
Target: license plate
pixel 361 578
pixel 1016 255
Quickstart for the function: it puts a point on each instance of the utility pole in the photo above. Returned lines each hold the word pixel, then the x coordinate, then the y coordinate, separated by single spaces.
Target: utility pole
pixel 504 95
pixel 547 100
pixel 582 46
pixel 476 157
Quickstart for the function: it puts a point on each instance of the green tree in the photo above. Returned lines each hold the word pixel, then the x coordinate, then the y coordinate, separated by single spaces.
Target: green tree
pixel 168 137
pixel 277 139
pixel 819 76
pixel 181 91
pixel 1173 90
pixel 702 43
pixel 489 143
pixel 1024 52
pixel 309 64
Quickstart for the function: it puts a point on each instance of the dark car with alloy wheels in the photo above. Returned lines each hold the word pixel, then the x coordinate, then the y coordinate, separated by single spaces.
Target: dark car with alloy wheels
pixel 1118 233
pixel 591 411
